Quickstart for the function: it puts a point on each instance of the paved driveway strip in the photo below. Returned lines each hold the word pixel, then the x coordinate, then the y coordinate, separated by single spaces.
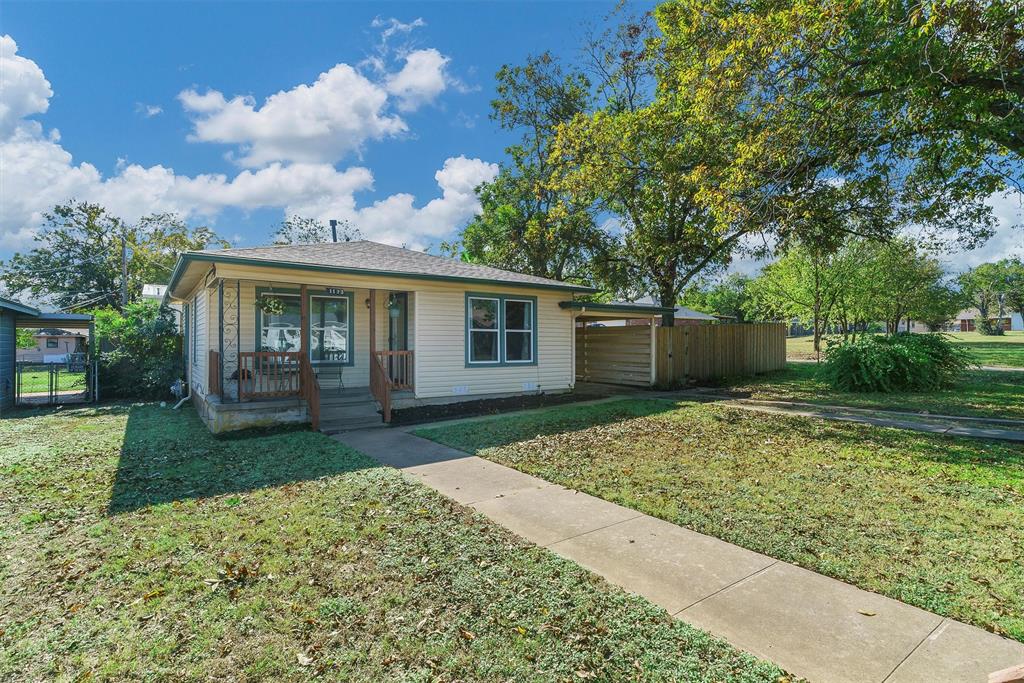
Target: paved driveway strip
pixel 809 624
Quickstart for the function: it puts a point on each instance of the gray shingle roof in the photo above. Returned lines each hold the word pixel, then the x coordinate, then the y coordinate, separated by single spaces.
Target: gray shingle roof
pixel 374 257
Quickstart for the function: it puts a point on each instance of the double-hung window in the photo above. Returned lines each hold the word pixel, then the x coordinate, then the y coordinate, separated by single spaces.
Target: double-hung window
pixel 500 330
pixel 518 325
pixel 483 329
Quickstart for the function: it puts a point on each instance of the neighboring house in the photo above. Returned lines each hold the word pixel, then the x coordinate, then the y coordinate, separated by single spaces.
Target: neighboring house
pixel 683 315
pixel 158 293
pixel 965 321
pixel 14 315
pixel 379 326
pixel 53 345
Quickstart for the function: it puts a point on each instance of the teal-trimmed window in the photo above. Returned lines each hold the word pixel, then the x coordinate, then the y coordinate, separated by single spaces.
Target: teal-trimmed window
pixel 501 329
pixel 280 331
pixel 331 325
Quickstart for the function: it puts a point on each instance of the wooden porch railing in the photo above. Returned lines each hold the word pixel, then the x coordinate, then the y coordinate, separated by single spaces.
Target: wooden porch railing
pixel 310 387
pixel 279 374
pixel 389 370
pixel 380 385
pixel 213 373
pixel 399 367
pixel 268 374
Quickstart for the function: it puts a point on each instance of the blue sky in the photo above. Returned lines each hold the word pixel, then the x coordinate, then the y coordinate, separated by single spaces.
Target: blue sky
pixel 117 73
pixel 235 114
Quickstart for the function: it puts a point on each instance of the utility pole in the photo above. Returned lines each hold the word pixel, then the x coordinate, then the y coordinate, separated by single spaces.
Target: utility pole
pixel 334 229
pixel 124 272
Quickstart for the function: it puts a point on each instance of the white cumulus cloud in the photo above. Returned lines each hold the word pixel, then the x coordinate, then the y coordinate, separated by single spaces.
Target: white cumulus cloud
pixel 25 89
pixel 420 80
pixel 318 123
pixel 36 172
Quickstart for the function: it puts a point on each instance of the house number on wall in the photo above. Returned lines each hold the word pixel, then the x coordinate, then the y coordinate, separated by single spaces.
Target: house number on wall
pixel 335 290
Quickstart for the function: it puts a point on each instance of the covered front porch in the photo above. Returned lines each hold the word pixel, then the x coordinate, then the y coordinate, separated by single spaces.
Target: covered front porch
pixel 294 348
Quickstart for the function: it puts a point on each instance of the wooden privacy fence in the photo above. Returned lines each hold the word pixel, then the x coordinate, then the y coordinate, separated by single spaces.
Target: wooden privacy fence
pixel 701 352
pixel 614 355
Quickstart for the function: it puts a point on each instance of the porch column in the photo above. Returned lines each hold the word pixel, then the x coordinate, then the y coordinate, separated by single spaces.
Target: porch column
pixel 304 329
pixel 373 322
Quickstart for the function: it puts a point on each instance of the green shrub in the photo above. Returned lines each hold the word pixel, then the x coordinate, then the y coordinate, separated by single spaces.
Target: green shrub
pixel 900 362
pixel 140 351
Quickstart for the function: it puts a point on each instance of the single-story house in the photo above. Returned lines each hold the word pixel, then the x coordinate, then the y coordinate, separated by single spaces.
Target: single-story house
pixel 332 333
pixel 54 345
pixel 14 315
pixel 965 321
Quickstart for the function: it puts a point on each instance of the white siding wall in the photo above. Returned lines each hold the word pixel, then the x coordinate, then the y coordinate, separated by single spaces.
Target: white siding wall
pixel 441 347
pixel 199 355
pixel 437 312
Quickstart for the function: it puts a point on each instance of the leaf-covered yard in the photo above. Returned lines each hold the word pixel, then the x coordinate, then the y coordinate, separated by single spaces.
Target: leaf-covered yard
pixel 136 546
pixel 933 521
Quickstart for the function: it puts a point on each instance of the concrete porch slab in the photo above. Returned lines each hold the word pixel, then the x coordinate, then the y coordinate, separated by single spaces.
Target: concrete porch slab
pixel 474 479
pixel 823 629
pixel 671 566
pixel 551 514
pixel 956 652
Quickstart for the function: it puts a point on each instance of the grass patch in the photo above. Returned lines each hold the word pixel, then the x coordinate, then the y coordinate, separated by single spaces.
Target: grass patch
pixel 139 547
pixel 980 393
pixel 1006 351
pixel 932 521
pixel 38 382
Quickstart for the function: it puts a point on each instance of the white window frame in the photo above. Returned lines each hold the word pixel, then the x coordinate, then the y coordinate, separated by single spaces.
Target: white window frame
pixel 530 317
pixel 496 330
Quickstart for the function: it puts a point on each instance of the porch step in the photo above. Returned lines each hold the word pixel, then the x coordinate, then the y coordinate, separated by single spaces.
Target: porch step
pixel 332 399
pixel 344 413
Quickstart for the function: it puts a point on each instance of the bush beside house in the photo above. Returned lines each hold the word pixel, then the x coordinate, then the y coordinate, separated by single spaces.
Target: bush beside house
pixel 140 350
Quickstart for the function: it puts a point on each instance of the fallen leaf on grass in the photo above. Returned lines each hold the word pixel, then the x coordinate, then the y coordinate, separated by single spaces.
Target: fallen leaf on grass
pixel 468 635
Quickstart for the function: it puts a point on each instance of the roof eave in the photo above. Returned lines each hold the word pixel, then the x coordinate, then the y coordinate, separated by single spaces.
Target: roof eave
pixel 616 308
pixel 183 260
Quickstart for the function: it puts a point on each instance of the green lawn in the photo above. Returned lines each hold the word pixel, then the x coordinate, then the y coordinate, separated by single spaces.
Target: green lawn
pixel 933 521
pixel 1005 351
pixel 980 393
pixel 35 382
pixel 138 547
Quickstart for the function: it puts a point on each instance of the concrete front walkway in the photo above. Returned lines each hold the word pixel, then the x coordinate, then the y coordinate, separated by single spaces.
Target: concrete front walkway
pixel 809 624
pixel 950 425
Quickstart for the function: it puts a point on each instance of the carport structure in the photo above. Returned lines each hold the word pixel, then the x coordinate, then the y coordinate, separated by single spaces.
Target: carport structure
pixel 612 346
pixel 72 381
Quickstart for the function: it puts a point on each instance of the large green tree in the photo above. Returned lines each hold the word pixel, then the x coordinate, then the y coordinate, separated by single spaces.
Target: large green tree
pixel 526 224
pixel 641 159
pixel 726 296
pixel 77 261
pixel 901 103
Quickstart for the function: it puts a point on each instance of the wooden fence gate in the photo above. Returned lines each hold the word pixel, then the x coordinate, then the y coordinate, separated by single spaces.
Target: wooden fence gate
pixel 701 352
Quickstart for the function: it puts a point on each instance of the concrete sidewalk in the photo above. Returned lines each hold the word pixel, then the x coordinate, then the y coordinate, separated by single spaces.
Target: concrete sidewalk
pixel 950 425
pixel 811 625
